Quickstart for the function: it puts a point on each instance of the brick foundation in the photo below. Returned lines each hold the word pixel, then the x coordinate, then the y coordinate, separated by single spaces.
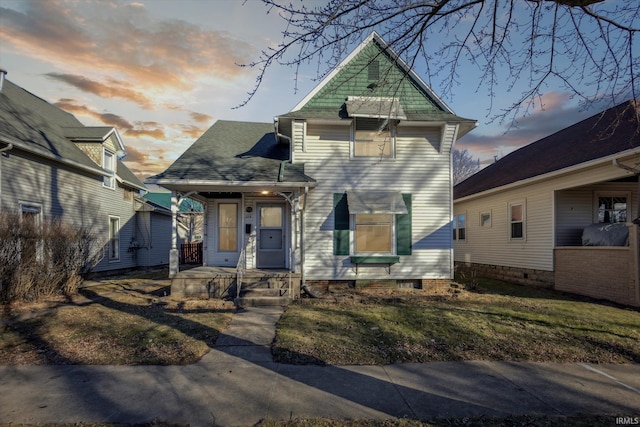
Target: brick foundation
pixel 429 284
pixel 521 276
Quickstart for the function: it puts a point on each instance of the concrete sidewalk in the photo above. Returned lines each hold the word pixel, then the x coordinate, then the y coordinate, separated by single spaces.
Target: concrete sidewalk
pixel 237 383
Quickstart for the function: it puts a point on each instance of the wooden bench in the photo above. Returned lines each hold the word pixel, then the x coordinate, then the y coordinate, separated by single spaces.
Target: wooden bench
pixel 366 259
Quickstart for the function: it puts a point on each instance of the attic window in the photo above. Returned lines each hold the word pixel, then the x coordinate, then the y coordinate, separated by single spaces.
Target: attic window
pixel 109 165
pixel 373 70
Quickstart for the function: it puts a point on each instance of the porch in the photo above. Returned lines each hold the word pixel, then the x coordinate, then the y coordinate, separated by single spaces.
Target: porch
pixel 257 286
pixel 603 272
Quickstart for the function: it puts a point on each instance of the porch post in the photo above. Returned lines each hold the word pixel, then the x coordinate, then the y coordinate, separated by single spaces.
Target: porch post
pixel 174 257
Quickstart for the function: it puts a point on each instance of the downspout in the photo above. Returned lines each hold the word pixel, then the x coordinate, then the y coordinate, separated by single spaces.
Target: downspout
pixel 2 151
pixel 303 285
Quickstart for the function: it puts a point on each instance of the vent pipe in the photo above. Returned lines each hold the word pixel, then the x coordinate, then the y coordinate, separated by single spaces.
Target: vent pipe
pixel 2 74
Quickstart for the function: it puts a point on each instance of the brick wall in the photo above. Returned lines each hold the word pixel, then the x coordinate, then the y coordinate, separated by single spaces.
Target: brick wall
pixel 521 276
pixel 598 272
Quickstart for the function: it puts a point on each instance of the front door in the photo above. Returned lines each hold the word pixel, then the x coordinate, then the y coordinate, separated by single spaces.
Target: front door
pixel 271 236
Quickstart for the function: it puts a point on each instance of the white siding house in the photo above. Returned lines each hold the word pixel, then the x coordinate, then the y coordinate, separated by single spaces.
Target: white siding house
pixel 520 218
pixel 354 183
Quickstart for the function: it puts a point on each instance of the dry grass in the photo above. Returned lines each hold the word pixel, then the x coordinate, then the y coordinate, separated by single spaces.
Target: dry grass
pixel 496 322
pixel 126 321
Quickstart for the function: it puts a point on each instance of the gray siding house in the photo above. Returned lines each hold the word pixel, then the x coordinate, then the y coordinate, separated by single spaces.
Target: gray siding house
pixel 352 185
pixel 53 166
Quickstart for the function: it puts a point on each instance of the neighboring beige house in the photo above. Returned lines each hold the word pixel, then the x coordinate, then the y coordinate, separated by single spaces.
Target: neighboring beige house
pixel 353 184
pixel 522 218
pixel 54 167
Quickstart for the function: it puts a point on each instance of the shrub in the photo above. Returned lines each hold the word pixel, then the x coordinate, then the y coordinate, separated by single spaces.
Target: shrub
pixel 38 260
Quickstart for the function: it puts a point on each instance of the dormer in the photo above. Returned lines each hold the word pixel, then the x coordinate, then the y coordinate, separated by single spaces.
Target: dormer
pixel 103 145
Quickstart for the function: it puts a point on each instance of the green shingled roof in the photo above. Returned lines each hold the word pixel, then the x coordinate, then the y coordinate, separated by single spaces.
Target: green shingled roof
pixel 374 72
pixel 235 151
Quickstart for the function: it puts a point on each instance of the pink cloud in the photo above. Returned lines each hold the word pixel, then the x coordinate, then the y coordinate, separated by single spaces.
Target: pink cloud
pixel 118 39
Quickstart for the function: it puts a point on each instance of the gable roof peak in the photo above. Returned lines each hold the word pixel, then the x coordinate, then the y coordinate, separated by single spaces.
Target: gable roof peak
pixel 353 77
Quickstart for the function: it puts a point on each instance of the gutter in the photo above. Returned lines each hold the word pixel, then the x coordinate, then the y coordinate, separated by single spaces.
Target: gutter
pixel 22 146
pixel 619 165
pixel 9 147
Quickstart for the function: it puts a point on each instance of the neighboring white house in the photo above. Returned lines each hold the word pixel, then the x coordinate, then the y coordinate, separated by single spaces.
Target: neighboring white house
pixel 522 218
pixel 52 166
pixel 354 183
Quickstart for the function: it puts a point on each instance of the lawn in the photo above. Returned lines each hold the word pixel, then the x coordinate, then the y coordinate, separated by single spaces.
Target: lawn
pixel 119 321
pixel 495 321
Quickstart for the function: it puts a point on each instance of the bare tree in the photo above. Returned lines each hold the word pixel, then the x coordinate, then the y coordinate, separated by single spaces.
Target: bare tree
pixel 463 165
pixel 587 46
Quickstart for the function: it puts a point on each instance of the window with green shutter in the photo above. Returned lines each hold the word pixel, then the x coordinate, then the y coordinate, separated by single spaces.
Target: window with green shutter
pixel 341 232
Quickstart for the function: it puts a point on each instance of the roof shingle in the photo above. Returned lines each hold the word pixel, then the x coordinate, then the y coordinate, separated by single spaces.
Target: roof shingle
pixel 612 131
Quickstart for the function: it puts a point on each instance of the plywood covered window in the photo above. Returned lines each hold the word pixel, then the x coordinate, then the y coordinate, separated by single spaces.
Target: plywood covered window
pixel 372 222
pixel 228 227
pixel 374 233
pixel 372 138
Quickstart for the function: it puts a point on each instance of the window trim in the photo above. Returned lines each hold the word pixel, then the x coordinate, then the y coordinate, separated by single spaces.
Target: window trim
pixel 522 203
pixel 456 228
pixel 238 225
pixel 488 223
pixel 37 209
pixel 109 181
pixel 112 238
pixel 392 241
pixel 392 139
pixel 610 194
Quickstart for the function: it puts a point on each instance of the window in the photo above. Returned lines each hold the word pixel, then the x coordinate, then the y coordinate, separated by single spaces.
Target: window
pixel 372 138
pixel 32 246
pixel 612 209
pixel 485 220
pixel 114 238
pixel 374 233
pixel 228 227
pixel 386 232
pixel 460 227
pixel 108 164
pixel 517 220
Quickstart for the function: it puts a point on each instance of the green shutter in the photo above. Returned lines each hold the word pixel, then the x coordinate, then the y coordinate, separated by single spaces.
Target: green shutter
pixel 403 233
pixel 341 224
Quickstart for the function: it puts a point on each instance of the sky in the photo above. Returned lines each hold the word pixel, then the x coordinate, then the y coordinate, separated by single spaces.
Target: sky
pixel 163 71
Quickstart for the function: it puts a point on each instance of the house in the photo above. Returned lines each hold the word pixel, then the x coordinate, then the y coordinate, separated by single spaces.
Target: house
pixel 523 218
pixel 352 185
pixel 54 167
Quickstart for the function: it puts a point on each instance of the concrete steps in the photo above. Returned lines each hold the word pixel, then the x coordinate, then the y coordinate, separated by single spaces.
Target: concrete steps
pixel 262 290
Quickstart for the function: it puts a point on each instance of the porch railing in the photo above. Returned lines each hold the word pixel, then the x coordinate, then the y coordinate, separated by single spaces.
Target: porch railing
pixel 240 268
pixel 191 253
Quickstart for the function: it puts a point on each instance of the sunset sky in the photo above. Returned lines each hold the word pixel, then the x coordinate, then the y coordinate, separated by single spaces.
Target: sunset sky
pixel 163 71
